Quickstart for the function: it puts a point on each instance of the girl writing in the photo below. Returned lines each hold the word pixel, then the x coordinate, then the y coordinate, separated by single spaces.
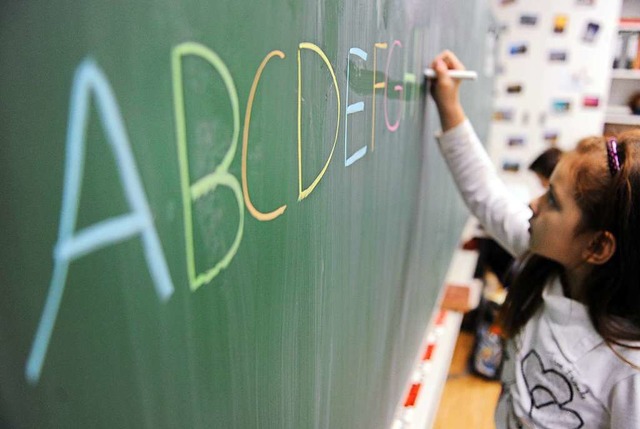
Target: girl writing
pixel 572 315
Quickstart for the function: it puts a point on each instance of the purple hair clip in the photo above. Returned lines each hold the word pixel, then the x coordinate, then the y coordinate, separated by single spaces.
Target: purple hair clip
pixel 612 155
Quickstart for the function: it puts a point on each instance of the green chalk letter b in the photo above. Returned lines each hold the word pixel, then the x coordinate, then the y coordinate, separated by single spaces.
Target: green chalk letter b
pixel 191 192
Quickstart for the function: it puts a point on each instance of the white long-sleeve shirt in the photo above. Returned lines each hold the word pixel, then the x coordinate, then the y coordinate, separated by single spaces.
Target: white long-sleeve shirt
pixel 558 372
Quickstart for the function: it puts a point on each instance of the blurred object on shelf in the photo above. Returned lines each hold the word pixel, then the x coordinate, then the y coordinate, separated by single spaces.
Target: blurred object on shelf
pixel 634 103
pixel 628 50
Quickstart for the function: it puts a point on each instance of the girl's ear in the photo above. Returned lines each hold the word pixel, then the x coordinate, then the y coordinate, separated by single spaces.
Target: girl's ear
pixel 601 248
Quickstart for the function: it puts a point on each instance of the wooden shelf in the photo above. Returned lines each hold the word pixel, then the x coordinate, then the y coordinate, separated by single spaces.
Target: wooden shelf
pixel 625 74
pixel 622 119
pixel 629 24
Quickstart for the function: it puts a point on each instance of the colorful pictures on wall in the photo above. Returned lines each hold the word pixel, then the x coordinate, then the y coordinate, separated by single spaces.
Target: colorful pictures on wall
pixel 560 23
pixel 560 106
pixel 558 56
pixel 554 60
pixel 503 115
pixel 589 101
pixel 528 20
pixel 517 48
pixel 515 88
pixel 591 32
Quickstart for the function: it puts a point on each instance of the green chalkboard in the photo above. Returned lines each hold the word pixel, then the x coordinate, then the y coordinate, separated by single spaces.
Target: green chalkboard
pixel 224 214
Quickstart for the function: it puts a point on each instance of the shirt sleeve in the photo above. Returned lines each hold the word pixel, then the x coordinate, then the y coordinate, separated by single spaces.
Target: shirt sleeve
pixel 504 217
pixel 625 403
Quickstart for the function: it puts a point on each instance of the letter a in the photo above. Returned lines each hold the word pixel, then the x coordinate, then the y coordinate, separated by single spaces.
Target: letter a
pixel 73 245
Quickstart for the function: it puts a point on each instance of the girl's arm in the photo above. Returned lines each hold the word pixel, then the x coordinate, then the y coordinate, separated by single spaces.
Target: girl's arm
pixel 486 196
pixel 445 90
pixel 625 403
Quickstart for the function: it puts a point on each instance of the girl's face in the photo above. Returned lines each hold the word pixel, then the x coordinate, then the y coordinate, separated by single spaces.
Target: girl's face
pixel 555 219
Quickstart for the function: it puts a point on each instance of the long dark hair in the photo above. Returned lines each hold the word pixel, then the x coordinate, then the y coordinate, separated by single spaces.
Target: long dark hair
pixel 608 202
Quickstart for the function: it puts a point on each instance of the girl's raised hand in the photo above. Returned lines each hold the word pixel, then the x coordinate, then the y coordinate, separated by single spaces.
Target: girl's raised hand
pixel 445 89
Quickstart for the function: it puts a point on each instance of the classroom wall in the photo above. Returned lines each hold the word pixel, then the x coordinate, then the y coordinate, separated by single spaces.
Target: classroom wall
pixel 553 70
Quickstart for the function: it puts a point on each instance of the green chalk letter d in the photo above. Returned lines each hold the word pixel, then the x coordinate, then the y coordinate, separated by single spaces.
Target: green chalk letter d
pixel 72 244
pixel 220 176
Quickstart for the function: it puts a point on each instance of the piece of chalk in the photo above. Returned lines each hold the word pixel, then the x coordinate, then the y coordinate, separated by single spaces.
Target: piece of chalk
pixel 455 74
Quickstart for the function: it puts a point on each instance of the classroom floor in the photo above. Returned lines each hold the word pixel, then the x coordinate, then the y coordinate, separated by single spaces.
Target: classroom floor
pixel 467 401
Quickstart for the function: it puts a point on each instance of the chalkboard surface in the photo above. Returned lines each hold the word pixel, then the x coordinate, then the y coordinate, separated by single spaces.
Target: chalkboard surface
pixel 222 214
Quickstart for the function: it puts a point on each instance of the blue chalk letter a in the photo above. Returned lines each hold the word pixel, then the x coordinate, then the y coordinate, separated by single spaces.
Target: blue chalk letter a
pixel 90 78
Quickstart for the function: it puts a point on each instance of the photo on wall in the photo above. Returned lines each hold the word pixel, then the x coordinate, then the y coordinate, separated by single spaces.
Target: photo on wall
pixel 529 20
pixel 518 48
pixel 590 101
pixel 542 118
pixel 560 106
pixel 516 141
pixel 514 88
pixel 510 166
pixel 557 56
pixel 591 32
pixel 503 115
pixel 560 23
pixel 551 138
